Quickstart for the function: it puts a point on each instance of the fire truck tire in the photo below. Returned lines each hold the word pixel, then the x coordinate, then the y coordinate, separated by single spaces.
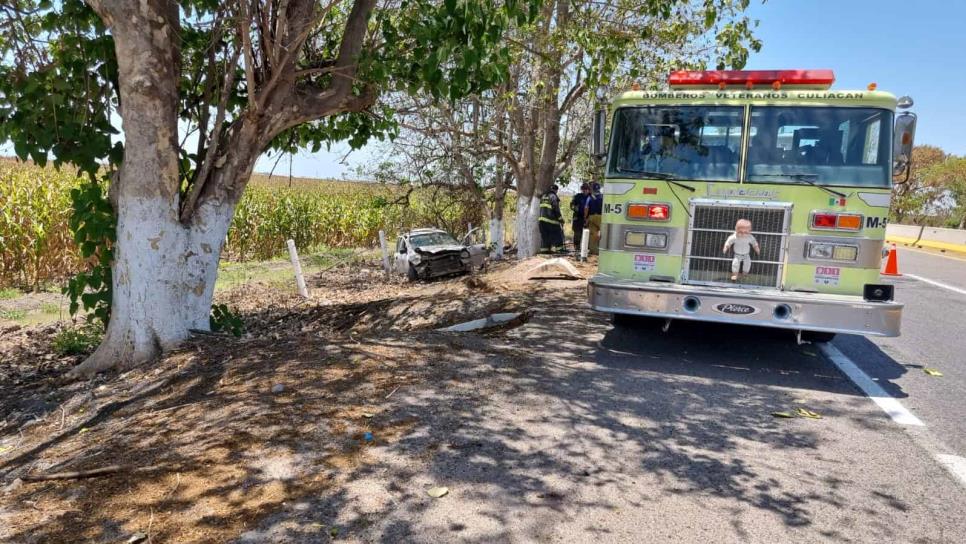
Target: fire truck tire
pixel 622 320
pixel 633 321
pixel 818 337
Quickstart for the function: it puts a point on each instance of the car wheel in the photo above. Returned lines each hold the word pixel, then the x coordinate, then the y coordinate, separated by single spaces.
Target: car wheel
pixel 411 273
pixel 818 337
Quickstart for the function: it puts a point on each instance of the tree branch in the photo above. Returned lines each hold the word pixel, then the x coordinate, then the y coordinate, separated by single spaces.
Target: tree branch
pixel 201 177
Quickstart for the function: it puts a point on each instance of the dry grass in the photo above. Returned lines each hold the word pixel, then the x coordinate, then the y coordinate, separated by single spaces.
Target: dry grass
pixel 229 451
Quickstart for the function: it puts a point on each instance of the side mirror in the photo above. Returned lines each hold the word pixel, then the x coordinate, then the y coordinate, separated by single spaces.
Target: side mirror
pixel 903 139
pixel 598 142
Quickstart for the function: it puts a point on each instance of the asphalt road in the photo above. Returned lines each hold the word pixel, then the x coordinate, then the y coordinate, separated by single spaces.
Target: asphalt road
pixel 570 430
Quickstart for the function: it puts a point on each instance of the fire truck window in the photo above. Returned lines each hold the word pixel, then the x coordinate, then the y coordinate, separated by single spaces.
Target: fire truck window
pixel 681 142
pixel 823 145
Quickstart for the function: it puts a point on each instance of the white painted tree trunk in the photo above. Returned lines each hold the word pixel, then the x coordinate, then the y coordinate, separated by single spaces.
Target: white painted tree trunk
pixel 527 231
pixel 164 279
pixel 497 235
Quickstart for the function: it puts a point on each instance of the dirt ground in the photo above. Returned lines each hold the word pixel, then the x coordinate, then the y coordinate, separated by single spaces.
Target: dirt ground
pixel 227 437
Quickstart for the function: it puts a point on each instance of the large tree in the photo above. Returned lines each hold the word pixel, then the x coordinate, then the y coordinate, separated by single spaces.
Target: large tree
pixel 920 195
pixel 576 52
pixel 202 88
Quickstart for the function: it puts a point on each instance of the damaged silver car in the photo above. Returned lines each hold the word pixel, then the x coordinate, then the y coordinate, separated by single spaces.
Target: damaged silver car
pixel 431 253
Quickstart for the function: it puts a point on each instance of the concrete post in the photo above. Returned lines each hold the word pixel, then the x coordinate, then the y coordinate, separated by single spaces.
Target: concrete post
pixel 385 252
pixel 299 279
pixel 584 244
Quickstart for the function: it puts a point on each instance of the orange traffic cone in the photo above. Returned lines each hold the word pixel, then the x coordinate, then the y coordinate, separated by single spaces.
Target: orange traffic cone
pixel 892 264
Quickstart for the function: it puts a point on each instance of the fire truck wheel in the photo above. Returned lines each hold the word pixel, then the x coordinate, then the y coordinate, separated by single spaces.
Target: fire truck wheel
pixel 635 321
pixel 818 337
pixel 623 320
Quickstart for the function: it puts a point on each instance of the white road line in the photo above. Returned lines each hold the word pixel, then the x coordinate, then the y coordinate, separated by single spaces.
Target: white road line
pixel 938 284
pixel 889 405
pixel 955 464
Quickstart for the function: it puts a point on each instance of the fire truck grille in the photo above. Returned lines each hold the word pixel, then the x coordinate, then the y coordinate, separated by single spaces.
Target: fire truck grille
pixel 711 224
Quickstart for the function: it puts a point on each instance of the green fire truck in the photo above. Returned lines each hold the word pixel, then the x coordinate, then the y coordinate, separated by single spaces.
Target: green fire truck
pixel 810 168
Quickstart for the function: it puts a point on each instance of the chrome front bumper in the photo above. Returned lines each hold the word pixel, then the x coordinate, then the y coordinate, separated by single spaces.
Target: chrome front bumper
pixel 765 307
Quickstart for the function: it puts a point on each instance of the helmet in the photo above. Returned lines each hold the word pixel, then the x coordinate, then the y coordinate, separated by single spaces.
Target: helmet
pixel 596 187
pixel 554 188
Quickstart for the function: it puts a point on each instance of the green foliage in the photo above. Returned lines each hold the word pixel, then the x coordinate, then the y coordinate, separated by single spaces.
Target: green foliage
pixel 7 294
pixel 225 319
pixel 449 49
pixel 78 340
pixel 57 96
pixel 93 225
pixel 929 196
pixel 13 315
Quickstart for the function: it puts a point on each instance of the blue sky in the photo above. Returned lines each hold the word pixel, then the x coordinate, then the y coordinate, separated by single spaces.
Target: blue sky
pixel 907 48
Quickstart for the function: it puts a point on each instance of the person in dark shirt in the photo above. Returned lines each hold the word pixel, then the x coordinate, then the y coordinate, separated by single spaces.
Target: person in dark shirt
pixel 577 206
pixel 594 209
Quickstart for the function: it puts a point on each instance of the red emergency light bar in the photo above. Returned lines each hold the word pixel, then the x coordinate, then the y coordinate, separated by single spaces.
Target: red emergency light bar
pixel 752 78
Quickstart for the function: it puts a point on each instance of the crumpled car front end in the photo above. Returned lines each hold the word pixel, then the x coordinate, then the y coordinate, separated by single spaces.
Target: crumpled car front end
pixel 436 261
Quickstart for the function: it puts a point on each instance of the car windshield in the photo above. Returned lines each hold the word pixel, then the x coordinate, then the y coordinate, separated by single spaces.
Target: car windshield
pixel 432 239
pixel 820 145
pixel 677 142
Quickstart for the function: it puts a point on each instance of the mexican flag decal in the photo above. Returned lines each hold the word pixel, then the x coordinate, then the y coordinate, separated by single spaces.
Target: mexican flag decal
pixel 836 201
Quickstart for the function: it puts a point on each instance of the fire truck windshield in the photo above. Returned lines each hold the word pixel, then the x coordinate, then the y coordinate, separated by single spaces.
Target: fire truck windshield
pixel 848 147
pixel 677 142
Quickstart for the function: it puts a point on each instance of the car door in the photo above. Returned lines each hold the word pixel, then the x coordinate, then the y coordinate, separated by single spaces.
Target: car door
pixel 401 256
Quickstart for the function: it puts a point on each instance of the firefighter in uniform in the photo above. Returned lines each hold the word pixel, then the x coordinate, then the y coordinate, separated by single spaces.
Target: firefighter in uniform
pixel 594 208
pixel 551 222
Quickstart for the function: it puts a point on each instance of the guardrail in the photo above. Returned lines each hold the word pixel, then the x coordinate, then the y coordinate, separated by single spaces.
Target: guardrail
pixel 931 237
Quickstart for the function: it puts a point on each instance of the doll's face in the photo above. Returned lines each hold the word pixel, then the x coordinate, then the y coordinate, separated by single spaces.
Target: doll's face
pixel 743 227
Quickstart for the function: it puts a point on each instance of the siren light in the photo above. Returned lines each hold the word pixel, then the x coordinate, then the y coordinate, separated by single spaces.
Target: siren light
pixel 752 78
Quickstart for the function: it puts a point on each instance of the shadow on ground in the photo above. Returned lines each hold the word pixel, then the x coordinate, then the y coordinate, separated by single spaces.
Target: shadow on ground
pixel 543 430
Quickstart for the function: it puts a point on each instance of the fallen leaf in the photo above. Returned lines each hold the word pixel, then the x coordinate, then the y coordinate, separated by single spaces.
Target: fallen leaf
pixel 5 448
pixel 932 372
pixel 808 413
pixel 83 430
pixel 783 414
pixel 798 401
pixel 437 492
pixel 367 415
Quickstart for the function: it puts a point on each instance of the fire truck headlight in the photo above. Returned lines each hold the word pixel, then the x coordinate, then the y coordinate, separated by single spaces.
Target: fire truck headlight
pixel 656 241
pixel 832 252
pixel 845 253
pixel 645 239
pixel 820 251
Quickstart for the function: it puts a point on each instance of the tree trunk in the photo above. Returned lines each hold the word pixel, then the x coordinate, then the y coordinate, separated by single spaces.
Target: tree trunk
pixel 146 314
pixel 164 280
pixel 166 257
pixel 497 225
pixel 527 231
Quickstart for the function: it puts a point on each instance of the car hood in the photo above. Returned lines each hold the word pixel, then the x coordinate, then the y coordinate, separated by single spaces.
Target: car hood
pixel 436 250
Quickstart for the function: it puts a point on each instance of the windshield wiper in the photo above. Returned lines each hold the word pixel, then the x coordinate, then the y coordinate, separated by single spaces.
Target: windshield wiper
pixel 804 178
pixel 663 176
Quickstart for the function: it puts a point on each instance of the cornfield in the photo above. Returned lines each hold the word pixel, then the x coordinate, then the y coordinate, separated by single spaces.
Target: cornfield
pixel 37 249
